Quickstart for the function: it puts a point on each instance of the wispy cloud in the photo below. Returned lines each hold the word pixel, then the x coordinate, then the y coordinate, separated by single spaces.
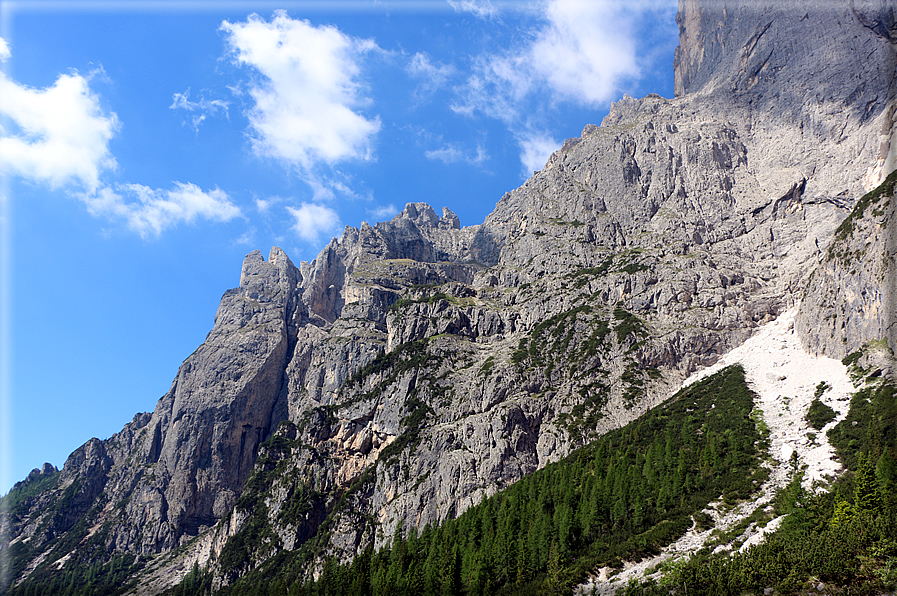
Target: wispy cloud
pixel 313 219
pixel 535 149
pixel 264 205
pixel 580 51
pixel 199 110
pixel 307 98
pixel 150 211
pixel 383 212
pixel 4 50
pixel 430 75
pixel 483 10
pixel 451 153
pixel 60 134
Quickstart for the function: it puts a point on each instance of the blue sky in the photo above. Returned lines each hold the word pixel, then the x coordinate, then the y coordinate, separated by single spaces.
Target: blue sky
pixel 146 147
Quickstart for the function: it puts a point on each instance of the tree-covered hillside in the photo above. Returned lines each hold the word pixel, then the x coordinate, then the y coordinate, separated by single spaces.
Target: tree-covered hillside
pixel 624 496
pixel 842 540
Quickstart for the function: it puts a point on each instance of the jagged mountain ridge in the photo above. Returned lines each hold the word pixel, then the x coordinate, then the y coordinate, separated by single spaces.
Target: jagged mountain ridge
pixel 655 243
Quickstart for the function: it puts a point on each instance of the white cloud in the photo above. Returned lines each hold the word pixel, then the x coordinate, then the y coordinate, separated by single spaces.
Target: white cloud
pixel 431 75
pixel 535 149
pixel 383 212
pixel 313 219
pixel 582 52
pixel 61 133
pixel 451 153
pixel 586 50
pixel 199 109
pixel 247 238
pixel 306 100
pixel 61 136
pixel 481 10
pixel 150 211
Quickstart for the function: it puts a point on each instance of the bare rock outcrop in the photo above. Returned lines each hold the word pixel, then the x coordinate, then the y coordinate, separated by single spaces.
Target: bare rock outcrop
pixel 415 366
pixel 850 300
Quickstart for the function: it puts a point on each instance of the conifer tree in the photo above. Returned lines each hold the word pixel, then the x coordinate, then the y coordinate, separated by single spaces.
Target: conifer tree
pixel 523 570
pixel 866 497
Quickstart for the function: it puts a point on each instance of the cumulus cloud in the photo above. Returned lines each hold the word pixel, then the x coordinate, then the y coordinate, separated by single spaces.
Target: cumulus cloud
pixel 199 110
pixel 451 153
pixel 582 52
pixel 263 205
pixel 483 10
pixel 307 98
pixel 535 149
pixel 61 137
pixel 59 134
pixel 150 211
pixel 313 219
pixel 586 50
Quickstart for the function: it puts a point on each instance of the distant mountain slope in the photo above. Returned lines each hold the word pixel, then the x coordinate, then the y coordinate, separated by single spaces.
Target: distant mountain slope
pixel 415 366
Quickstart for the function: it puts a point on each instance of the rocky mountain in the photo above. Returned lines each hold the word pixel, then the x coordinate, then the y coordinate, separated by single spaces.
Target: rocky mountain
pixel 416 366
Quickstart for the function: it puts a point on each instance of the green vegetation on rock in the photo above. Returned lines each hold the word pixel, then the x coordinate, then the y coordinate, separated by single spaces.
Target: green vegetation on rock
pixel 623 496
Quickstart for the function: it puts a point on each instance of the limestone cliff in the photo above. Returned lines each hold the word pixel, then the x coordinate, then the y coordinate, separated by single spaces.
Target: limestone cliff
pixel 849 301
pixel 415 365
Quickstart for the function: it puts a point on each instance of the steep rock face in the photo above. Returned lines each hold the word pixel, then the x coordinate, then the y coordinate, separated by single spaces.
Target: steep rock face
pixel 851 298
pixel 173 473
pixel 799 71
pixel 415 365
pixel 779 48
pixel 205 431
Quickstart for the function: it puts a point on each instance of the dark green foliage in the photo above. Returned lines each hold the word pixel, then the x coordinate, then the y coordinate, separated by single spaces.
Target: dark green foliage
pixel 561 222
pixel 521 353
pixel 85 574
pixel 570 346
pixel 403 302
pixel 836 249
pixel 237 553
pixel 625 264
pixel 198 582
pixel 67 518
pixel 628 324
pixel 17 501
pixel 411 424
pixel 819 414
pixel 843 555
pixel 600 330
pixel 884 189
pixel 870 426
pixel 550 340
pixel 634 268
pixel 622 497
pixel 852 358
pixel 405 357
pixel 583 276
pixel 845 537
pixel 315 513
pixel 585 415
